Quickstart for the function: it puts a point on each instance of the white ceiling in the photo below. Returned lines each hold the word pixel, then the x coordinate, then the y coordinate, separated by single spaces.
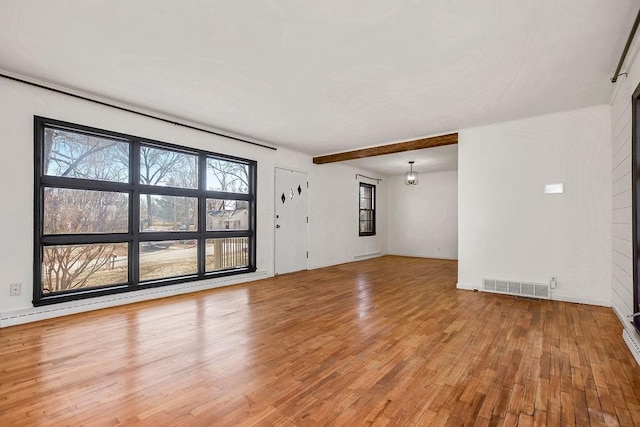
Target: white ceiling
pixel 325 76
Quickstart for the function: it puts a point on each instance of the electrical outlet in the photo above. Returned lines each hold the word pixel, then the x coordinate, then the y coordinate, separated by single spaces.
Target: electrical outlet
pixel 15 289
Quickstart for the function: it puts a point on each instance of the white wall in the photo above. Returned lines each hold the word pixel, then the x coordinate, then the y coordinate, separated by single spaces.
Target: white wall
pixel 509 229
pixel 333 216
pixel 423 218
pixel 333 228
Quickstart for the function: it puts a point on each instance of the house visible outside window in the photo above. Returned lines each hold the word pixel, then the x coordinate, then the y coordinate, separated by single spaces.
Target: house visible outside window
pixel 367 215
pixel 117 213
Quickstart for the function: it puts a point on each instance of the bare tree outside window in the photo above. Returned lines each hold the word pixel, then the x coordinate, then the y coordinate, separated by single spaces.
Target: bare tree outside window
pixel 75 155
pixel 66 211
pixel 75 266
pixel 95 208
pixel 168 169
pixel 227 176
pixel 231 177
pixel 70 211
pixel 169 213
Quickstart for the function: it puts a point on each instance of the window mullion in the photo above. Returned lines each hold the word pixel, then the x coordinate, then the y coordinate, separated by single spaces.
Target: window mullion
pixel 202 214
pixel 83 184
pixel 168 191
pixel 253 213
pixel 134 212
pixel 38 212
pixel 228 196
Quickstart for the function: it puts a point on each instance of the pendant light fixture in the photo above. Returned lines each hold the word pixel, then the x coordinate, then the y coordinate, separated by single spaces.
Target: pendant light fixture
pixel 411 177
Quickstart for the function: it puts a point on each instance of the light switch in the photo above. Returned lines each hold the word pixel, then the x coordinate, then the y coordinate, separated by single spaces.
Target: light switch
pixel 554 188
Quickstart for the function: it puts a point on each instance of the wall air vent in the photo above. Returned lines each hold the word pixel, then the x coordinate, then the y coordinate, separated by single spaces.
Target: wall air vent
pixel 517 288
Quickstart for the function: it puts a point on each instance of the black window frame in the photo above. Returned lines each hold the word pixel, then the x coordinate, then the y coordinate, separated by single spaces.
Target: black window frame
pixel 372 210
pixel 135 236
pixel 635 201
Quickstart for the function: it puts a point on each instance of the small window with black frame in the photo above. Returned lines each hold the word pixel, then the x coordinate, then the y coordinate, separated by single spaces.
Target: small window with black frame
pixel 367 211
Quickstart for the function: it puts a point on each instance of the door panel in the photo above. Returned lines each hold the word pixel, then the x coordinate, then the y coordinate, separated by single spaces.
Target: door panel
pixel 291 221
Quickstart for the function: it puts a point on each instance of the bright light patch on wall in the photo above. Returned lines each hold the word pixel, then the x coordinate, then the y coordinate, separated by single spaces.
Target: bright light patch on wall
pixel 554 188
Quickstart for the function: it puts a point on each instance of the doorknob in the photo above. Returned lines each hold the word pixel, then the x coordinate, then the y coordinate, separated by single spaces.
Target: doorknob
pixel 277 226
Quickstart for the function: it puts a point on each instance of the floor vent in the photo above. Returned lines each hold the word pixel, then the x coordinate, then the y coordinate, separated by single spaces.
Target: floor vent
pixel 632 343
pixel 522 289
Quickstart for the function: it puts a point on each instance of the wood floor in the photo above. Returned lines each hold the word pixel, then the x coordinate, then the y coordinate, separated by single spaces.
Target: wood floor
pixel 388 341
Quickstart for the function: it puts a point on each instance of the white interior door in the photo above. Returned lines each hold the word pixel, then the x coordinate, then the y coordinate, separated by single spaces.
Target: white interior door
pixel 291 221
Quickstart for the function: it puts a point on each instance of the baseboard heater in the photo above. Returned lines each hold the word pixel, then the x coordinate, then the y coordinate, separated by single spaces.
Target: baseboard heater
pixel 517 288
pixel 632 343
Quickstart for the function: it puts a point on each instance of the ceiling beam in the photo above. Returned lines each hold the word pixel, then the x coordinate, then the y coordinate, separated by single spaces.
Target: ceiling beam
pixel 398 147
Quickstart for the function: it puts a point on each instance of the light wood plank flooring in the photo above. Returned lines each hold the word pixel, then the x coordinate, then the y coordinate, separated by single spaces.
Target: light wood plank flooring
pixel 388 341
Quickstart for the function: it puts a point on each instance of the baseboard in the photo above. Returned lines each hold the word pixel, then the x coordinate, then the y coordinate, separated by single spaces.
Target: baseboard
pixel 621 317
pixel 34 314
pixel 423 256
pixel 580 300
pixel 554 296
pixel 367 256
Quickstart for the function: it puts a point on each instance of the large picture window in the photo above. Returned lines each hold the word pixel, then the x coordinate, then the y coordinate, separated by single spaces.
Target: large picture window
pixel 117 213
pixel 367 214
